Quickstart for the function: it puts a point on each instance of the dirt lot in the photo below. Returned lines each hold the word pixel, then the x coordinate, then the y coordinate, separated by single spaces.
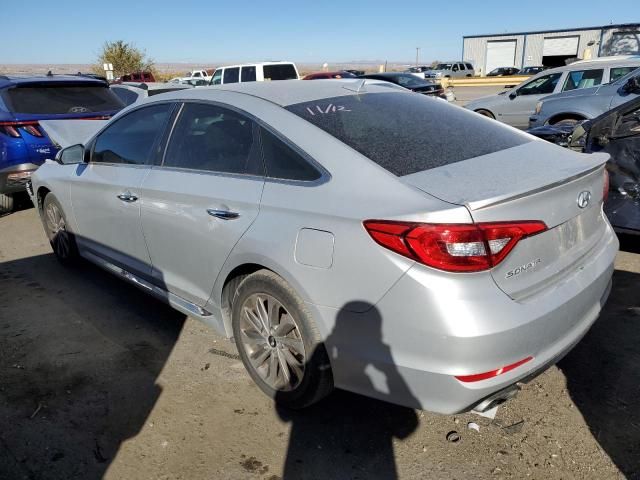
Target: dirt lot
pixel 99 380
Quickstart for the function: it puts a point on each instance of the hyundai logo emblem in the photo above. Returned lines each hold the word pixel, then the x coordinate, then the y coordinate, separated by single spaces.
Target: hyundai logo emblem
pixel 583 199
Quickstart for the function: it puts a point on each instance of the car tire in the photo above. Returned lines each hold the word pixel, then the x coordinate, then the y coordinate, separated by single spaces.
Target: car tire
pixel 61 239
pixel 278 341
pixel 6 203
pixel 566 121
pixel 486 113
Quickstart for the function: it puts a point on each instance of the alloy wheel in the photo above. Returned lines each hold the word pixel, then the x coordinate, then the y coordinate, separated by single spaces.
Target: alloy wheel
pixel 271 339
pixel 58 231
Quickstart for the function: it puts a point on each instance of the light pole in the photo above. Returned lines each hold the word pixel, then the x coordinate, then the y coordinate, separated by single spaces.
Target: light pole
pixel 417 55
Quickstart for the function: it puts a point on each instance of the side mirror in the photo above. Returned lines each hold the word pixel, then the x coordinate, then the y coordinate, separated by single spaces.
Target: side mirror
pixel 71 155
pixel 513 94
pixel 632 85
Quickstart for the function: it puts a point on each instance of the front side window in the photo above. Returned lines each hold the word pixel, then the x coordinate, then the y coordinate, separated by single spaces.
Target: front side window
pixel 217 77
pixel 461 65
pixel 619 72
pixel 248 74
pixel 231 75
pixel 406 133
pixel 214 139
pixel 196 75
pixel 582 79
pixel 469 66
pixel 130 139
pixel 541 86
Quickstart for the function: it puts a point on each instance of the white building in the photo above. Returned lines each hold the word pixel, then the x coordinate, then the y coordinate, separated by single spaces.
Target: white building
pixel 550 48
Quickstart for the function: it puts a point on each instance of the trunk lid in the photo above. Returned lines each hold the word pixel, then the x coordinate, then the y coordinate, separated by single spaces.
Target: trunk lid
pixel 534 181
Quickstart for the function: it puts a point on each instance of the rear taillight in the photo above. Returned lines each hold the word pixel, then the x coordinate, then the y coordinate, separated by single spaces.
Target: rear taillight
pixel 13 128
pixel 453 247
pixel 605 188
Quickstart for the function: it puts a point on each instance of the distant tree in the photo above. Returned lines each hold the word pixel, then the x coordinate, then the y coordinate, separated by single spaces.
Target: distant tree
pixel 434 63
pixel 125 57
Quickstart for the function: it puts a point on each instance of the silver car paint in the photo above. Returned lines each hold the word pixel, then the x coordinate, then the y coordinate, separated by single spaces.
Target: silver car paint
pixel 588 103
pixel 517 110
pixel 436 324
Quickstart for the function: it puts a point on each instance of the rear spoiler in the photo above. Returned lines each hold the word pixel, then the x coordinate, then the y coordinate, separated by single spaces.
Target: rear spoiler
pixel 64 133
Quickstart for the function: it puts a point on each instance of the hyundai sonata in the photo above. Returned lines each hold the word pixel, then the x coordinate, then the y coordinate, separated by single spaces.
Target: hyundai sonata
pixel 345 234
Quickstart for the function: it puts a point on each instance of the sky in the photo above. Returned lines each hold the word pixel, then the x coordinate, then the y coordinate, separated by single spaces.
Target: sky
pixel 192 31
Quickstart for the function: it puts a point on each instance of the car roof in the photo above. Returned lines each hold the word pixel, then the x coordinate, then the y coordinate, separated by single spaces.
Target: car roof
pixel 9 80
pixel 622 61
pixel 283 92
pixel 251 64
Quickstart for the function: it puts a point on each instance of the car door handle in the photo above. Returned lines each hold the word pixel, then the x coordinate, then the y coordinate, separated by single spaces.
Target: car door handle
pixel 222 214
pixel 127 197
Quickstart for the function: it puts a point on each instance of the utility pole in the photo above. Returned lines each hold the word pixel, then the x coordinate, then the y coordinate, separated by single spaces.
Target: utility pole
pixel 417 55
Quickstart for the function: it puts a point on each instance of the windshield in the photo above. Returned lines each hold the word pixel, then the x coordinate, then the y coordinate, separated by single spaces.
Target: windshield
pixel 406 133
pixel 443 66
pixel 52 98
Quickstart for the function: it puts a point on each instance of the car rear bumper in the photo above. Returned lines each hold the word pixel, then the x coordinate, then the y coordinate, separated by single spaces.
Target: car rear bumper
pixel 14 178
pixel 409 348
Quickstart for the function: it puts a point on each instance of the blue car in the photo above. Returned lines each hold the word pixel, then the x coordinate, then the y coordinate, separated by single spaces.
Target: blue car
pixel 24 101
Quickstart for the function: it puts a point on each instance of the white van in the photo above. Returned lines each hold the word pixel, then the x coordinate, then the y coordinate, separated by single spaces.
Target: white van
pixel 255 72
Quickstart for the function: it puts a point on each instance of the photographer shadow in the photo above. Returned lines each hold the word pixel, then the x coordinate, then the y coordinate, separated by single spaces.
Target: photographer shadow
pixel 348 436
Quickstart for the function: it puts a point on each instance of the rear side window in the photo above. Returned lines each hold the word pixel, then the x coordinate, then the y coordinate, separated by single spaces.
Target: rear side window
pixel 281 161
pixel 407 133
pixel 61 98
pixel 248 74
pixel 283 71
pixel 582 79
pixel 214 139
pixel 619 72
pixel 231 75
pixel 130 139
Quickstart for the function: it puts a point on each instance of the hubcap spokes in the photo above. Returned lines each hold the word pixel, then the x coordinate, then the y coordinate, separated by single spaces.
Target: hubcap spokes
pixel 271 339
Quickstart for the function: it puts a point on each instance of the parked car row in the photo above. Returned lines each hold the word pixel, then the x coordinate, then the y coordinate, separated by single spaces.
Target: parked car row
pixel 518 105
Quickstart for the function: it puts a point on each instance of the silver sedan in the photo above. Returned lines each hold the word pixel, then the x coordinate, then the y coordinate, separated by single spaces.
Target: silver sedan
pixel 344 234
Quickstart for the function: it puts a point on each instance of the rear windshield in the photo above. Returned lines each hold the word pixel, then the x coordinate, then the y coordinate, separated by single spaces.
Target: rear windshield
pixel 407 133
pixel 284 71
pixel 60 99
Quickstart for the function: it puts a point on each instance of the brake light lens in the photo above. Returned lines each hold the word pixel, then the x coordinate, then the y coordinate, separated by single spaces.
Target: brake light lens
pixel 13 128
pixel 453 247
pixel 493 373
pixel 605 188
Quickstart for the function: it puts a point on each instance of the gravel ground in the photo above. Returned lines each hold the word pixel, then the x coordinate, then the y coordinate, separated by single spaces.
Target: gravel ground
pixel 98 380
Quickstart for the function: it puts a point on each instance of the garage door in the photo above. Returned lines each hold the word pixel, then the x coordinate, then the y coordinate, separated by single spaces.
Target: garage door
pixel 500 54
pixel 560 46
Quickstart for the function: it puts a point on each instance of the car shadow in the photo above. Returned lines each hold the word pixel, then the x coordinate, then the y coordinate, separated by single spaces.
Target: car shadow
pixel 603 377
pixel 21 202
pixel 80 354
pixel 629 243
pixel 348 436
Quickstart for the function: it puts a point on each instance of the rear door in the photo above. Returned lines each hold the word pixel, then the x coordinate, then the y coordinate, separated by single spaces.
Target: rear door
pixel 519 108
pixel 201 198
pixel 105 193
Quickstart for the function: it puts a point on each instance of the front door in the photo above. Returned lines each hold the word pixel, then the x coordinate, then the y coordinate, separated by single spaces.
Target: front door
pixel 202 198
pixel 522 101
pixel 105 193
